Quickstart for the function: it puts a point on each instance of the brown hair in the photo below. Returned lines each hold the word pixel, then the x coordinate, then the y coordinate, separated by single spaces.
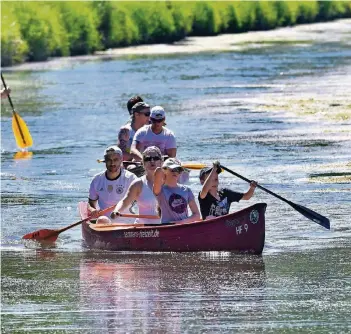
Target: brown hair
pixel 133 100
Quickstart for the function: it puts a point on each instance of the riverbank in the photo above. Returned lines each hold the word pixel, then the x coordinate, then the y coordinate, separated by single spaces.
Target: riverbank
pixel 36 31
pixel 304 35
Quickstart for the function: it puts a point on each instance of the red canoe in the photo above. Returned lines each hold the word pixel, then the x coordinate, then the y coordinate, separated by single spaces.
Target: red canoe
pixel 241 231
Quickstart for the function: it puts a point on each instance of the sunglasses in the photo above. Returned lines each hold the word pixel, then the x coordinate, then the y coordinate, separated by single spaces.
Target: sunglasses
pixel 156 120
pixel 147 159
pixel 147 114
pixel 177 170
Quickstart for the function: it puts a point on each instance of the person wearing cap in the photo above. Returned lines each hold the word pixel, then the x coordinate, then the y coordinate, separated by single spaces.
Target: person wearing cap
pixel 141 189
pixel 155 134
pixel 174 198
pixel 140 116
pixel 216 202
pixel 108 187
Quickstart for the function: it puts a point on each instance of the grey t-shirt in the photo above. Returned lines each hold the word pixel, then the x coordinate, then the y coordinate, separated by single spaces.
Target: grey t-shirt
pixel 174 202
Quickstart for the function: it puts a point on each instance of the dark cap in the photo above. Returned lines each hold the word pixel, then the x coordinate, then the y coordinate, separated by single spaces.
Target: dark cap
pixel 138 107
pixel 207 170
pixel 133 100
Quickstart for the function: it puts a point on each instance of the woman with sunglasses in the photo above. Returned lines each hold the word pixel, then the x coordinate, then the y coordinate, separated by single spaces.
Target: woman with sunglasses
pixel 155 134
pixel 174 198
pixel 141 189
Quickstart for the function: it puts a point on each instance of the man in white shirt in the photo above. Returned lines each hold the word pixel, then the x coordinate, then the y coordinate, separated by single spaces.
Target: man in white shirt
pixel 155 134
pixel 108 187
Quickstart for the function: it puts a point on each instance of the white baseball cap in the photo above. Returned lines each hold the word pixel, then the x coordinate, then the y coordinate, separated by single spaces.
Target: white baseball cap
pixel 113 149
pixel 172 163
pixel 158 113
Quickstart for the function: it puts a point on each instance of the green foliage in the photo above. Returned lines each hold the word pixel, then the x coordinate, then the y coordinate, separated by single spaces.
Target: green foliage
pixel 14 48
pixel 41 29
pixel 308 11
pixel 206 20
pixel 333 9
pixel 36 30
pixel 81 22
pixel 266 15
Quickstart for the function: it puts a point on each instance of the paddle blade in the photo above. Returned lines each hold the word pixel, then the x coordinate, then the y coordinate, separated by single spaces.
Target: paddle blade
pixel 23 155
pixel 193 165
pixel 42 235
pixel 21 132
pixel 310 214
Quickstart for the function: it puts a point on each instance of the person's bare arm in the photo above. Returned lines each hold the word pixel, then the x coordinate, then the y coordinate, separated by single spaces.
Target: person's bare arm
pixel 92 208
pixel 171 152
pixel 135 151
pixel 159 179
pixel 132 195
pixel 250 192
pixel 5 92
pixel 209 181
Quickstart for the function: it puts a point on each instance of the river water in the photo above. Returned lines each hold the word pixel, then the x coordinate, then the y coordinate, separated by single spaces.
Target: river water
pixel 273 106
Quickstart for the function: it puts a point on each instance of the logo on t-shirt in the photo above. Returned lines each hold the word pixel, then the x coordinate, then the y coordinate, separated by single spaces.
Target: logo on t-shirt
pixel 119 190
pixel 177 203
pixel 110 188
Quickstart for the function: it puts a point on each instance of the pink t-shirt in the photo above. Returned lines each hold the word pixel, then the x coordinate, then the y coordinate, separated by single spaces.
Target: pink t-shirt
pixel 164 140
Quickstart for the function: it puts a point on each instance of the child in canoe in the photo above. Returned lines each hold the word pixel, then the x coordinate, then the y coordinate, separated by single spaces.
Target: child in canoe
pixel 174 198
pixel 215 202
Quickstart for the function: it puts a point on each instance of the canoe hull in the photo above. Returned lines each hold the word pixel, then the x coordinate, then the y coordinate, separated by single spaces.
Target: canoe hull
pixel 242 231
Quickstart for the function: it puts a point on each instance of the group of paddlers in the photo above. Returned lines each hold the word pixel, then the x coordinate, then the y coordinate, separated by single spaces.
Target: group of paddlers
pixel 160 191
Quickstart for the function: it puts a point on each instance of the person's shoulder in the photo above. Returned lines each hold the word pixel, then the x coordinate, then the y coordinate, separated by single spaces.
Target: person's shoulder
pixel 99 175
pixel 129 175
pixel 143 129
pixel 168 132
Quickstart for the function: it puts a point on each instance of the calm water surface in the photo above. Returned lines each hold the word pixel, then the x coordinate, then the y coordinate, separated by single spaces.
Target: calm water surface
pixel 252 111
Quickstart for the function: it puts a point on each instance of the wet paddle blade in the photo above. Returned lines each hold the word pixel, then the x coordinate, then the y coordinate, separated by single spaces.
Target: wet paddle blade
pixel 310 214
pixel 42 235
pixel 21 132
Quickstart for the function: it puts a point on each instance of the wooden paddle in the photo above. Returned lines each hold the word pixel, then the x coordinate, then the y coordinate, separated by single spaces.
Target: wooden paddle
pixel 19 127
pixel 47 235
pixel 308 213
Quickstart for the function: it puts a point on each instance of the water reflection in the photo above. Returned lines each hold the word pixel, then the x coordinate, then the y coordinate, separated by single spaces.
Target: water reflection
pixel 145 291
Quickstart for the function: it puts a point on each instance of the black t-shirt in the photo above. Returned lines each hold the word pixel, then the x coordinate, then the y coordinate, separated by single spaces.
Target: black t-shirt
pixel 210 206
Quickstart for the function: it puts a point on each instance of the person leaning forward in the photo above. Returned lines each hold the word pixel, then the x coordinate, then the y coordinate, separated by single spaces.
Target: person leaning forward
pixel 140 116
pixel 155 134
pixel 108 187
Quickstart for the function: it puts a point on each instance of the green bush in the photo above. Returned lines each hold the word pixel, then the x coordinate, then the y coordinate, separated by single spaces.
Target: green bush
pixel 206 20
pixel 14 48
pixel 266 15
pixel 80 21
pixel 329 10
pixel 38 30
pixel 41 29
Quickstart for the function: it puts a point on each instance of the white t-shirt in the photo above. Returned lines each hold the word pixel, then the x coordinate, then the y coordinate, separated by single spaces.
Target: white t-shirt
pixel 109 192
pixel 164 140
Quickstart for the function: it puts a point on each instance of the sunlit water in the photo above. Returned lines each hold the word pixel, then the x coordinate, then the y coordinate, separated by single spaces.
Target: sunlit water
pixel 267 112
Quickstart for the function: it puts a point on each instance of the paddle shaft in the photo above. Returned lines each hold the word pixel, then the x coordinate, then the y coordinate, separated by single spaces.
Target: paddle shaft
pixel 101 212
pixel 13 110
pixel 308 213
